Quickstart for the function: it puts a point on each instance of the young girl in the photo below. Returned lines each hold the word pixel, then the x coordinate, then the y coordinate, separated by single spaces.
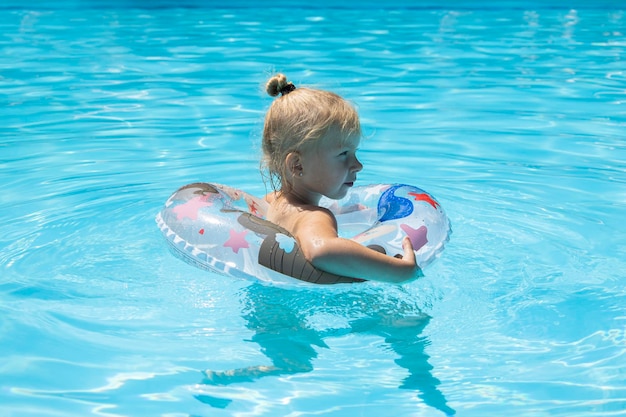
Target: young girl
pixel 310 139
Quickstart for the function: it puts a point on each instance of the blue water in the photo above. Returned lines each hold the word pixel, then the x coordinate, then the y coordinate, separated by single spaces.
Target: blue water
pixel 513 115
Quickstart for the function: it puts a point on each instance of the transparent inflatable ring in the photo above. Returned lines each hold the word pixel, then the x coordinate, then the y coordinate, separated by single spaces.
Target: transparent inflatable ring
pixel 223 229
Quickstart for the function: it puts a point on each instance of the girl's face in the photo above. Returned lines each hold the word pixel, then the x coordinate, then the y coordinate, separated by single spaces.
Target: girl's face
pixel 329 169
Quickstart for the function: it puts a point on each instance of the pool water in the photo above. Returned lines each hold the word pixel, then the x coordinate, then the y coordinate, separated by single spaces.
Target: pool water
pixel 512 114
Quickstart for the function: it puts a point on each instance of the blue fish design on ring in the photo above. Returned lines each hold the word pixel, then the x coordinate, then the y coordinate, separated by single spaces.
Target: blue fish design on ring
pixel 391 207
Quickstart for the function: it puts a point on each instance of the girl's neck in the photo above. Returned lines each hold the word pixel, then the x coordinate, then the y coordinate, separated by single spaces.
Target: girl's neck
pixel 300 199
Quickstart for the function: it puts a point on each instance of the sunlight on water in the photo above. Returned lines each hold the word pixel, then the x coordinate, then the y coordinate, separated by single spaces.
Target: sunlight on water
pixel 513 117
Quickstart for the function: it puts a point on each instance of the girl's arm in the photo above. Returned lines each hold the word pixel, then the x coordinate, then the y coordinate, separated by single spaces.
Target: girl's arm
pixel 316 233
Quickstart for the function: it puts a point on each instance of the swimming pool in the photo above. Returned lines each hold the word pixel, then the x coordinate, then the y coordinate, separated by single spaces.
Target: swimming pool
pixel 513 116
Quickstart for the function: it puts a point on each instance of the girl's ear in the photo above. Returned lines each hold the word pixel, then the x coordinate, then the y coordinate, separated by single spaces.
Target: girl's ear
pixel 293 162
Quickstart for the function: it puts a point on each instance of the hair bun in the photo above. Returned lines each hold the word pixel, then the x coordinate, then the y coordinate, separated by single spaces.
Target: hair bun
pixel 279 84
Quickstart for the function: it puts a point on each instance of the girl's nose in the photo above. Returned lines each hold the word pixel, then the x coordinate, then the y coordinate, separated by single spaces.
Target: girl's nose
pixel 357 165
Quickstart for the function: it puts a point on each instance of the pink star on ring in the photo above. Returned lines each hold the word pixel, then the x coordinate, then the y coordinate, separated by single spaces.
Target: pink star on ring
pixel 418 236
pixel 237 240
pixel 190 208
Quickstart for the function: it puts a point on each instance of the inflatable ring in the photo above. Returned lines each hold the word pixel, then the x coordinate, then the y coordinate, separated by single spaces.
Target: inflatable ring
pixel 223 229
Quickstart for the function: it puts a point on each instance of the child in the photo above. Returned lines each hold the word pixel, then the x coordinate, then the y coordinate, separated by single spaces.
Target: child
pixel 310 139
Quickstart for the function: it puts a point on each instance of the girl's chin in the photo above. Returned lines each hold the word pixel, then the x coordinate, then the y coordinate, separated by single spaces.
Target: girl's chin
pixel 339 194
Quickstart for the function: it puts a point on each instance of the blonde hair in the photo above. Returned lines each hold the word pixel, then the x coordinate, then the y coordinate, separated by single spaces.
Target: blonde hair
pixel 298 119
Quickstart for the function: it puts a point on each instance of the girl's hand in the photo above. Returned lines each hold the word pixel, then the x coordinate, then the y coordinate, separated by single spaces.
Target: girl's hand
pixel 407 246
pixel 409 254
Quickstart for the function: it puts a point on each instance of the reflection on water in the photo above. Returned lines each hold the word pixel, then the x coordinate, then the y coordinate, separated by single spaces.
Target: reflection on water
pixel 512 116
pixel 279 319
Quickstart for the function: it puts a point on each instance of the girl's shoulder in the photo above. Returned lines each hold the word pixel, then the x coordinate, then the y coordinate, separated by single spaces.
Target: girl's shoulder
pixel 315 218
pixel 296 218
pixel 271 197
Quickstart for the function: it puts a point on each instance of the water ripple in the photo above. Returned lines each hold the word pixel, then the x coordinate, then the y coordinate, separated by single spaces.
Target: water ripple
pixel 512 117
